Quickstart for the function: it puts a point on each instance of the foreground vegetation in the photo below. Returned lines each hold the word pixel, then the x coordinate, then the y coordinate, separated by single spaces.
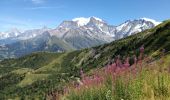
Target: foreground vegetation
pixel 146 79
pixel 41 74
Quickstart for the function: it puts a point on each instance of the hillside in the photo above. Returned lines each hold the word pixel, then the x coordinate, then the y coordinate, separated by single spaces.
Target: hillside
pixel 146 79
pixel 35 75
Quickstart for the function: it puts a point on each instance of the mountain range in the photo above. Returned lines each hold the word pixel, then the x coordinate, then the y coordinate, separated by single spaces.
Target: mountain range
pixel 39 74
pixel 76 34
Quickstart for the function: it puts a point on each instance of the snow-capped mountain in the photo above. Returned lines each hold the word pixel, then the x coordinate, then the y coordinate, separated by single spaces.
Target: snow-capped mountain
pixel 15 35
pixel 84 32
pixel 14 32
pixel 151 20
pixel 91 26
pixel 84 21
pixel 78 33
pixel 95 28
pixel 134 26
pixel 28 34
pixel 3 35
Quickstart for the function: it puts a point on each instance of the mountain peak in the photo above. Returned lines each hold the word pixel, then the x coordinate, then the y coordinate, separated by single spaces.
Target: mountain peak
pixel 81 21
pixel 95 18
pixel 150 20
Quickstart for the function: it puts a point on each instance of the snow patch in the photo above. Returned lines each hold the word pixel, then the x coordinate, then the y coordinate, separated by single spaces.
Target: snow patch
pixel 151 20
pixel 98 19
pixel 119 28
pixel 81 21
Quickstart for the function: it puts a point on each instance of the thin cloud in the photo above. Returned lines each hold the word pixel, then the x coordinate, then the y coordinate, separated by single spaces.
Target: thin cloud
pixel 38 1
pixel 43 7
pixel 8 23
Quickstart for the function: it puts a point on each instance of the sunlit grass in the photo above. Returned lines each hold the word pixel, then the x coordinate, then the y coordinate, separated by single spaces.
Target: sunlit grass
pixel 31 78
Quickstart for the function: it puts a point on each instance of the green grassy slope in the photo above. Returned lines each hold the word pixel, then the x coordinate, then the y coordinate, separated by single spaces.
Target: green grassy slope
pixel 54 41
pixel 34 75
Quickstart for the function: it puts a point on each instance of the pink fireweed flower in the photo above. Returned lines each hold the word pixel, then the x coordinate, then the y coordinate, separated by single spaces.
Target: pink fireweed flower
pixel 108 69
pixel 118 61
pixel 66 90
pixel 113 67
pixel 98 79
pixel 92 80
pixel 118 69
pixel 86 80
pixel 126 64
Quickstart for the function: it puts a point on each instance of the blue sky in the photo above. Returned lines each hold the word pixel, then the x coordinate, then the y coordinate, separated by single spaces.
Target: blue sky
pixel 28 14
